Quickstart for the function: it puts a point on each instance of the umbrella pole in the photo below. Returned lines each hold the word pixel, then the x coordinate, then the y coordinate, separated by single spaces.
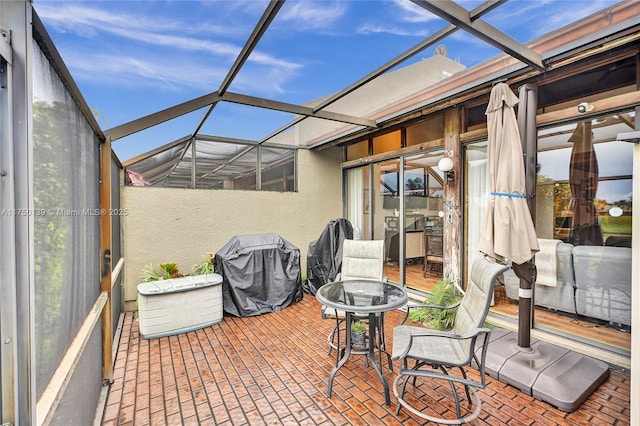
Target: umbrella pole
pixel 528 95
pixel 527 274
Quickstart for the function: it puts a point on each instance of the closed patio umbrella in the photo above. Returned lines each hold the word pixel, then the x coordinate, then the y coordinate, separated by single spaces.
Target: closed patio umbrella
pixel 508 232
pixel 583 182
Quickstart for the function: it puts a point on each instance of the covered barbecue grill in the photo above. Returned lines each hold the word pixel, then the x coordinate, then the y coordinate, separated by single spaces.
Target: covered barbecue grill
pixel 260 274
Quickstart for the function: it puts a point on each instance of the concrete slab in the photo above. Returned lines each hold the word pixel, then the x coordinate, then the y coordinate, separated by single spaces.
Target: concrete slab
pixel 523 368
pixel 569 382
pixel 547 372
pixel 503 344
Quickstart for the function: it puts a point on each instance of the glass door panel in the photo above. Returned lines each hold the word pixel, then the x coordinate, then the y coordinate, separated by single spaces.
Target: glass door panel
pixel 415 207
pixel 476 197
pixel 358 208
pixel 583 217
pixel 583 214
pixel 386 217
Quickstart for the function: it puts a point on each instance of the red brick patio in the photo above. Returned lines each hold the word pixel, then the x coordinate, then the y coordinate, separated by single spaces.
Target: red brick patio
pixel 273 369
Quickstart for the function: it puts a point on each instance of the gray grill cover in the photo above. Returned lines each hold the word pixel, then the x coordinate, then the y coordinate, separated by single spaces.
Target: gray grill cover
pixel 324 257
pixel 260 274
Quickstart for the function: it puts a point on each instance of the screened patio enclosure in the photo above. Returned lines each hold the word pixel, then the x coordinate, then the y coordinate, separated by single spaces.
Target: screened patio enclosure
pixel 62 257
pixel 207 162
pixel 322 122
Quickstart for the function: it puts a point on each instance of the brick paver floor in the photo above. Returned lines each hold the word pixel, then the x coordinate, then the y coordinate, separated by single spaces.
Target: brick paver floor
pixel 273 370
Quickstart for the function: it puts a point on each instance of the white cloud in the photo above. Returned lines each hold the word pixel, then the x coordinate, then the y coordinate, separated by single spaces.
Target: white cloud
pixel 86 20
pixel 159 51
pixel 312 15
pixel 411 12
pixel 561 15
pixel 369 28
pixel 543 16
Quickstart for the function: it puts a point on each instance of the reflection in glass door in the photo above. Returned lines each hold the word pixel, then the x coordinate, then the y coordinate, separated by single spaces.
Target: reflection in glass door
pixel 422 201
pixel 386 218
pixel 405 208
pixel 402 207
pixel 584 208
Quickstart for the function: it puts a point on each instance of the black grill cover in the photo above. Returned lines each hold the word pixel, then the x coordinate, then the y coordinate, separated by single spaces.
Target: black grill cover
pixel 324 257
pixel 260 274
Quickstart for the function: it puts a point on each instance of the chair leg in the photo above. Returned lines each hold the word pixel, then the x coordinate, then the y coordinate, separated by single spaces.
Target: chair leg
pixel 466 388
pixel 399 390
pixel 400 396
pixel 456 398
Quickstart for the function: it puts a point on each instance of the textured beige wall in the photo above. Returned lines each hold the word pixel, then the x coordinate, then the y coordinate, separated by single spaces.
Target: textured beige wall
pixel 182 225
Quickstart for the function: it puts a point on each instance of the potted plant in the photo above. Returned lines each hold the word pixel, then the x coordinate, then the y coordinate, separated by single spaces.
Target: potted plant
pixel 358 330
pixel 200 299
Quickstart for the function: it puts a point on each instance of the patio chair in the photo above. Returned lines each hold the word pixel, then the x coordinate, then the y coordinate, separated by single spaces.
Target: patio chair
pixel 436 352
pixel 361 260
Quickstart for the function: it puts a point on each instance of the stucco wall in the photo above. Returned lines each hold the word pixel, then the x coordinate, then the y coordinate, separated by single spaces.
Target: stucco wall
pixel 182 225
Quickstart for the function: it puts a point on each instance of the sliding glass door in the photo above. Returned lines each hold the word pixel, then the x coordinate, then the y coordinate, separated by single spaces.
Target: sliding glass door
pixel 401 204
pixel 583 218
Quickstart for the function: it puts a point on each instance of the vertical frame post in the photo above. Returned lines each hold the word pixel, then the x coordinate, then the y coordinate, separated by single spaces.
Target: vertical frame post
pixel 105 250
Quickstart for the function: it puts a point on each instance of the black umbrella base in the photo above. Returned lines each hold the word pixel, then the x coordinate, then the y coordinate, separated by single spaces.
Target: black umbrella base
pixel 558 376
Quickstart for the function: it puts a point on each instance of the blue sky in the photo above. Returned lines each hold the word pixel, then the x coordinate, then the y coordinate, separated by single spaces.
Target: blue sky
pixel 133 58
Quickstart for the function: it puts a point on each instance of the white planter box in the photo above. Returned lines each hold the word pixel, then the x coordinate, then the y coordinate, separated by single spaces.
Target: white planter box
pixel 178 305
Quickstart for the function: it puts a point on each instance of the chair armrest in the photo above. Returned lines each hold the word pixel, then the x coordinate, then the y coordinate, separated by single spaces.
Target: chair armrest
pixel 426 305
pixel 449 335
pixel 427 333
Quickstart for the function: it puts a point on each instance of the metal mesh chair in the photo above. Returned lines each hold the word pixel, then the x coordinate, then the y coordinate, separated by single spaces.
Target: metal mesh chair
pixel 361 260
pixel 436 352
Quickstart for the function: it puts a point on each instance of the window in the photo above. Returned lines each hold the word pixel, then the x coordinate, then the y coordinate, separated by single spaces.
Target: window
pixel 426 130
pixel 386 142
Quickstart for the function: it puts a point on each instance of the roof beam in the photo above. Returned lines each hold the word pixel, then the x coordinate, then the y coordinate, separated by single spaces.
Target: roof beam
pixel 296 109
pixel 158 150
pixel 459 16
pixel 258 31
pixel 151 120
pixel 261 27
pixel 229 161
pixel 224 139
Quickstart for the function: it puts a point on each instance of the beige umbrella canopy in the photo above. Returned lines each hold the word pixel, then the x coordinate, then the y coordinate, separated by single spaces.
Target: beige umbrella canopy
pixel 508 232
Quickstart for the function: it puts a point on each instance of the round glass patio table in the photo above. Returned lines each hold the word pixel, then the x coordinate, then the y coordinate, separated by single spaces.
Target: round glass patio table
pixel 362 297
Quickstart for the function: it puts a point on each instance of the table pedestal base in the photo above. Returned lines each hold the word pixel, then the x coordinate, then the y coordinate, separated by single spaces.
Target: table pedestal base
pixel 370 354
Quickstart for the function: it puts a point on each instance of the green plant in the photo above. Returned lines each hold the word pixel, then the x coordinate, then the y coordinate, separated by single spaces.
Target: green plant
pixel 206 267
pixel 149 273
pixel 442 294
pixel 166 271
pixel 170 270
pixel 358 327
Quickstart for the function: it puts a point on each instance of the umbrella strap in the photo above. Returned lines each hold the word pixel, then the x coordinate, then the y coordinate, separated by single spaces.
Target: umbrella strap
pixel 504 194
